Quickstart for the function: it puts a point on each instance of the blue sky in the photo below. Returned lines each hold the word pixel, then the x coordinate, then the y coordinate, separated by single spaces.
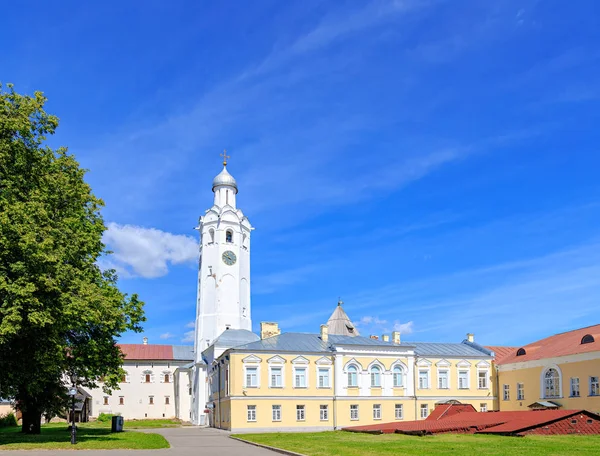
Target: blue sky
pixel 434 163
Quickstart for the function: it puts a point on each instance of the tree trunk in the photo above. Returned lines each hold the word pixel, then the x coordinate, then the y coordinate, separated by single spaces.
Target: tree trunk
pixel 32 422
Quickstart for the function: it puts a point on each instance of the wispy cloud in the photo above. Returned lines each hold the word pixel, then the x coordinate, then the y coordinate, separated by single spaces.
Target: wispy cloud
pixel 188 337
pixel 147 252
pixel 167 335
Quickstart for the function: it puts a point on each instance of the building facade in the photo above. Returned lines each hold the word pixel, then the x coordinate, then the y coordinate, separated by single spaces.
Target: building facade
pixel 149 388
pixel 317 382
pixel 561 371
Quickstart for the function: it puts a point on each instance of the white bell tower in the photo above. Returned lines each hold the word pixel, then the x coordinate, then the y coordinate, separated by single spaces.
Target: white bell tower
pixel 224 265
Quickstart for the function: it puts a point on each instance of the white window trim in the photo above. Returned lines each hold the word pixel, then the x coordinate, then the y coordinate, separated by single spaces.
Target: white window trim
pixel 253 366
pixel 505 388
pixel 403 371
pixel 280 412
pixel 487 378
pixel 328 369
pixel 468 371
pixel 590 386
pixel 276 366
pixel 306 376
pixel 303 412
pixel 321 412
pixel 439 371
pixel 571 386
pixel 520 391
pixel 424 369
pixel 381 374
pixel 426 408
pixel 358 371
pixel 357 412
pixel 396 408
pixel 248 414
pixel 483 408
pixel 543 382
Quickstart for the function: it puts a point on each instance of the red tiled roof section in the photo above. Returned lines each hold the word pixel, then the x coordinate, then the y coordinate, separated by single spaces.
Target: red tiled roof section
pixel 501 352
pixel 563 344
pixel 447 410
pixel 147 351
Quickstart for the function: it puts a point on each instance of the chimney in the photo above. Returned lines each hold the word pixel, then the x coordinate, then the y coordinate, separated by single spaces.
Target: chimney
pixel 374 337
pixel 385 338
pixel 470 337
pixel 396 337
pixel 268 329
pixel 324 333
pixel 145 340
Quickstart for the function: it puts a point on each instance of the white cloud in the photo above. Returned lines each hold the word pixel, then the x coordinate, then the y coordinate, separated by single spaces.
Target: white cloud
pixel 147 252
pixel 167 335
pixel 403 328
pixel 188 336
pixel 191 324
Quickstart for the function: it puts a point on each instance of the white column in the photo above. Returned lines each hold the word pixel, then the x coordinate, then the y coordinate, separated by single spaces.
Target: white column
pixel 364 383
pixel 410 377
pixel 387 383
pixel 339 381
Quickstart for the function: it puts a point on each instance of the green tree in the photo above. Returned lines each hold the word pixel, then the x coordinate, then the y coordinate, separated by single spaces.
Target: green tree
pixel 60 314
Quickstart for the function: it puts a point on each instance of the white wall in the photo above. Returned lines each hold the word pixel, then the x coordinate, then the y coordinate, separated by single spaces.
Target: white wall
pixel 136 392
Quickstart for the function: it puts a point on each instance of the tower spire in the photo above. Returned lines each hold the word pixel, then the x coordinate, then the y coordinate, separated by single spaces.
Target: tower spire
pixel 225 157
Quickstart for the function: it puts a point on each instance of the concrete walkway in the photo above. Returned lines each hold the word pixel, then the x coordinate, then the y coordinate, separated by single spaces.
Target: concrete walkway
pixel 185 441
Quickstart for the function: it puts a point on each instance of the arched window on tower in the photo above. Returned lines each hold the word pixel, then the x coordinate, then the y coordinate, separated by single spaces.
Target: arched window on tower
pixel 398 375
pixel 211 236
pixel 229 236
pixel 375 376
pixel 352 376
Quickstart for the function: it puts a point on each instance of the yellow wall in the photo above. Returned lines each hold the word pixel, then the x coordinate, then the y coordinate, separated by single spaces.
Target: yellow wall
pixel 531 379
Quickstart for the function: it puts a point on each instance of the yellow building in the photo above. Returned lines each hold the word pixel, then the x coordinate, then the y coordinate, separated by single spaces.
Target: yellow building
pixel 559 371
pixel 325 381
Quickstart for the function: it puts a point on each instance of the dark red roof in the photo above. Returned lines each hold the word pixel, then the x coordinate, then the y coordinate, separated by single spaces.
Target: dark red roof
pixel 563 344
pixel 147 351
pixel 488 422
pixel 447 410
pixel 501 352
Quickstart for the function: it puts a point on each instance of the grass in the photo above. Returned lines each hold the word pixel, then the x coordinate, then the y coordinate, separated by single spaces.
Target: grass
pixel 135 424
pixel 90 436
pixel 352 444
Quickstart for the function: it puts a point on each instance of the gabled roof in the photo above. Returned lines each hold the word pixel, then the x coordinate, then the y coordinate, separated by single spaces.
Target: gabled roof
pixel 563 344
pixel 339 323
pixel 157 352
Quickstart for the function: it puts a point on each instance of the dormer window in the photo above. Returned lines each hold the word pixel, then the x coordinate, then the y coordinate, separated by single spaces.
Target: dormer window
pixel 229 236
pixel 521 352
pixel 587 339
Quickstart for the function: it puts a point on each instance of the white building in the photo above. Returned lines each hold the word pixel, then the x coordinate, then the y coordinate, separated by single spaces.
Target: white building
pixel 149 388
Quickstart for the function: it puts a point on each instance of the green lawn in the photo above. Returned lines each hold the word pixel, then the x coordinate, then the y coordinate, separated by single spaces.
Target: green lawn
pixel 90 436
pixel 135 424
pixel 353 444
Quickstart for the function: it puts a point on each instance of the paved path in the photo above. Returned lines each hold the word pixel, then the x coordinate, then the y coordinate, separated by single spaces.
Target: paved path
pixel 185 441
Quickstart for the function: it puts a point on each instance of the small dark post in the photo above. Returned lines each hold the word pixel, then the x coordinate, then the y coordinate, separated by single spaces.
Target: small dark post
pixel 72 393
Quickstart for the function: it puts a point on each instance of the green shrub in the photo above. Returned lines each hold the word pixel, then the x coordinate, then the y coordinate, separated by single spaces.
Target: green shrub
pixel 105 417
pixel 8 420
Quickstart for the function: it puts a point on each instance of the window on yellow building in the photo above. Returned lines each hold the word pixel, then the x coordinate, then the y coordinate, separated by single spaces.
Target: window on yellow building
pixel 300 377
pixel 463 379
pixel 323 377
pixel 520 391
pixel 443 379
pixel 251 413
pixel 354 412
pixel 352 376
pixel 551 383
pixel 300 413
pixel 375 376
pixel 482 379
pixel 423 379
pixel 574 386
pixel 399 411
pixel 506 392
pixel 398 377
pixel 324 412
pixel 483 407
pixel 276 411
pixel 376 411
pixel 424 410
pixel 594 386
pixel 276 377
pixel 251 377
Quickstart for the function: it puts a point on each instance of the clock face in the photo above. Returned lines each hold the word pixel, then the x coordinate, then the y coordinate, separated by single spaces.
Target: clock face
pixel 229 258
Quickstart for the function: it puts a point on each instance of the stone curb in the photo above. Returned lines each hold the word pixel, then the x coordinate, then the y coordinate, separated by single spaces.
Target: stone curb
pixel 276 450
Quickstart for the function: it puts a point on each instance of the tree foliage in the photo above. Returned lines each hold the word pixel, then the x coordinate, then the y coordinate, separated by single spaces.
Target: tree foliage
pixel 60 313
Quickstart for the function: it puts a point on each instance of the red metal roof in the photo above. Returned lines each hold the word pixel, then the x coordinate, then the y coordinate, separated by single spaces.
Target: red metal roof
pixel 563 344
pixel 446 410
pixel 489 422
pixel 501 352
pixel 147 351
